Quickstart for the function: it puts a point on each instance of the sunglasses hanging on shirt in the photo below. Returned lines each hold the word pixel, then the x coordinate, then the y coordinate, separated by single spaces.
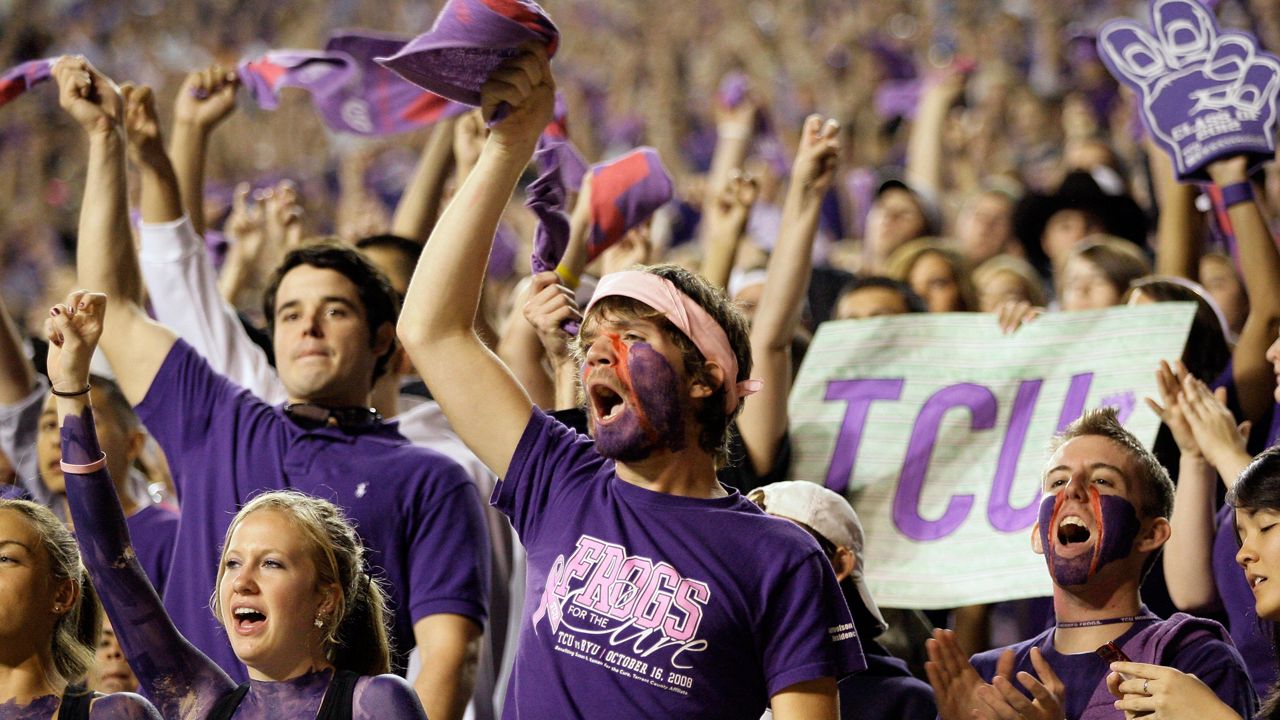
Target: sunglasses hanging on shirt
pixel 311 415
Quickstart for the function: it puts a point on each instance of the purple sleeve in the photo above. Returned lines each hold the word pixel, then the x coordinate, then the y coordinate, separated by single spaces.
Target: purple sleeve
pixel 549 460
pixel 449 554
pixel 1219 666
pixel 184 406
pixel 808 632
pixel 385 696
pixel 168 667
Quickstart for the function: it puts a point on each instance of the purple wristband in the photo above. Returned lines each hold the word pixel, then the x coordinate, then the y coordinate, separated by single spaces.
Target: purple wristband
pixel 1236 193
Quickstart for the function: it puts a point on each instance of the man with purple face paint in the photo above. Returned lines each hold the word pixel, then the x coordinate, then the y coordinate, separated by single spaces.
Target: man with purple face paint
pixel 1101 525
pixel 653 591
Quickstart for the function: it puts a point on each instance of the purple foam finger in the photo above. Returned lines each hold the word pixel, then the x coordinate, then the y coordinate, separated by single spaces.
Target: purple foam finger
pixel 1131 54
pixel 1184 29
pixel 1215 98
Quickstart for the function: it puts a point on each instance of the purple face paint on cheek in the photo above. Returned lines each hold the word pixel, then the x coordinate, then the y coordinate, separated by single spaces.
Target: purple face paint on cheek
pixel 1118 526
pixel 656 388
pixel 655 417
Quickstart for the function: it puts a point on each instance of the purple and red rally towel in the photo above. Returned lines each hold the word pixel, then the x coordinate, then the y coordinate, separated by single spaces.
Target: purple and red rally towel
pixel 469 40
pixel 22 77
pixel 624 193
pixel 351 92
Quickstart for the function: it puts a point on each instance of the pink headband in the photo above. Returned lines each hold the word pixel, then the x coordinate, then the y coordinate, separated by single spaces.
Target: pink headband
pixel 687 315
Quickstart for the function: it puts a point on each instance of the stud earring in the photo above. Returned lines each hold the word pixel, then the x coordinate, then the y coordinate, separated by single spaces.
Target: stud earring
pixel 319 621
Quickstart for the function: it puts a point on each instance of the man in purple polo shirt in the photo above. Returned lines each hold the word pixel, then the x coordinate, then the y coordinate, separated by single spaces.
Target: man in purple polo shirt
pixel 1101 524
pixel 652 590
pixel 332 316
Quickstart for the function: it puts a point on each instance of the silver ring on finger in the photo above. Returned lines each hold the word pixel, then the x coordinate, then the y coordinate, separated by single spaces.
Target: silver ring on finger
pixel 1144 687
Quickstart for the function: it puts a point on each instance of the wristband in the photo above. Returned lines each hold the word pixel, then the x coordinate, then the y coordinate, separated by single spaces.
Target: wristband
pixel 94 466
pixel 1237 193
pixel 62 393
pixel 570 279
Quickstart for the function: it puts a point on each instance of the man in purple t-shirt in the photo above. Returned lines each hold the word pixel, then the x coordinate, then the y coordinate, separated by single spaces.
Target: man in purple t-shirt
pixel 332 318
pixel 652 590
pixel 1100 527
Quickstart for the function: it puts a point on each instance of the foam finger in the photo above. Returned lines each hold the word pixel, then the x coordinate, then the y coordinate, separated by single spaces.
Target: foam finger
pixel 1132 53
pixel 1258 85
pixel 1185 30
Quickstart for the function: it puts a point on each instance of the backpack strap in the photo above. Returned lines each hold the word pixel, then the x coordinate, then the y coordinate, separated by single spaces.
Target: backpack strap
pixel 75 704
pixel 339 697
pixel 227 704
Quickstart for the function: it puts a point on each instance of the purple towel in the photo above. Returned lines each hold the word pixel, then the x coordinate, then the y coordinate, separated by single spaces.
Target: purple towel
pixel 624 193
pixel 546 198
pixel 351 92
pixel 22 77
pixel 469 40
pixel 395 105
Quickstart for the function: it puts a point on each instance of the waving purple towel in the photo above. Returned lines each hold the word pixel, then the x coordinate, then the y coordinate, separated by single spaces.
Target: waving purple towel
pixel 469 40
pixel 22 77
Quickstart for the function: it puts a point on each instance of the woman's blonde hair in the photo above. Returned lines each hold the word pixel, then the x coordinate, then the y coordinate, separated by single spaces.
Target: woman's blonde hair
pixel 75 634
pixel 356 635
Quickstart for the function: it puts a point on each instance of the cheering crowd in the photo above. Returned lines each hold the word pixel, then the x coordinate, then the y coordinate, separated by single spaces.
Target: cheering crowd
pixel 294 425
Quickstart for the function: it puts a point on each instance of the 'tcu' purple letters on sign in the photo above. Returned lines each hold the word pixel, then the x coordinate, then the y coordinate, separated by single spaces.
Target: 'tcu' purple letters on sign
pixel 859 394
pixel 982 404
pixel 906 502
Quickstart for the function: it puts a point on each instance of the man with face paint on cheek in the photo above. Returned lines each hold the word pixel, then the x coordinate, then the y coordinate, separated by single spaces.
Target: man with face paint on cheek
pixel 653 590
pixel 1101 525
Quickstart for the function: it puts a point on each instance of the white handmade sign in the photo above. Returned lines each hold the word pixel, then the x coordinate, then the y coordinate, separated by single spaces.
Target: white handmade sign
pixel 937 427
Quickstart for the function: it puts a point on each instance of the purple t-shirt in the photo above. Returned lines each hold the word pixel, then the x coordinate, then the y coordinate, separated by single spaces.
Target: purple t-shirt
pixel 642 604
pixel 1252 639
pixel 156 527
pixel 1192 645
pixel 886 691
pixel 417 511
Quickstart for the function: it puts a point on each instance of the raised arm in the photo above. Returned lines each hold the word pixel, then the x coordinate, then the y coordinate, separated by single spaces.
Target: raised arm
pixel 1188 555
pixel 1260 264
pixel 764 418
pixel 1179 227
pixel 420 204
pixel 178 678
pixel 105 259
pixel 521 350
pixel 205 99
pixel 180 280
pixel 724 219
pixel 17 373
pixel 161 200
pixel 925 147
pixel 490 410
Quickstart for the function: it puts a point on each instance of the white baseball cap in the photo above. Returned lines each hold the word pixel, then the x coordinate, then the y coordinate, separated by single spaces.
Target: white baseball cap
pixel 829 515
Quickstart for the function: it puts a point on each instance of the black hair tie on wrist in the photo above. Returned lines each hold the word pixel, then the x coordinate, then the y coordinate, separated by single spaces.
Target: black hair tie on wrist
pixel 77 393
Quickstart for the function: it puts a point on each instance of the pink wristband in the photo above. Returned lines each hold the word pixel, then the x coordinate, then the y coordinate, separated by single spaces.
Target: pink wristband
pixel 94 466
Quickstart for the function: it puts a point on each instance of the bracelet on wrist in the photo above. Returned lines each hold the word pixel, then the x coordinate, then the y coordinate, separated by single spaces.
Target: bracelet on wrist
pixel 571 280
pixel 1237 193
pixel 94 466
pixel 71 393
